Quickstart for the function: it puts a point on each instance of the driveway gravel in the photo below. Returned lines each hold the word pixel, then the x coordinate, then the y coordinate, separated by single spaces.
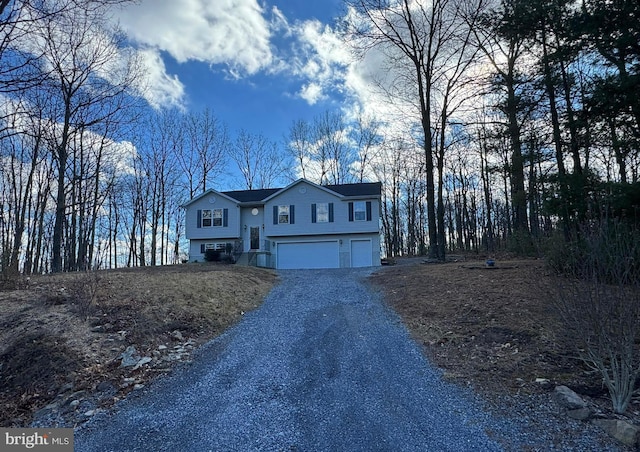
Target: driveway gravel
pixel 321 365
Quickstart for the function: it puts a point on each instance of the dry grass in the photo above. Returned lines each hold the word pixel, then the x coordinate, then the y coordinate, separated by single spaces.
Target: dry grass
pixel 494 329
pixel 70 329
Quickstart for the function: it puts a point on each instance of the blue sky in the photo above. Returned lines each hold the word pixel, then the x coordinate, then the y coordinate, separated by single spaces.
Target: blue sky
pixel 259 65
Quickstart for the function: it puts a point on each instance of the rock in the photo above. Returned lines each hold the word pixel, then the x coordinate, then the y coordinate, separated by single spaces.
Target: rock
pixel 623 431
pixel 105 386
pixel 75 397
pixel 129 357
pixel 569 399
pixel 162 347
pixel 144 360
pixel 177 335
pixel 543 383
pixel 581 414
pixel 138 386
pixel 66 387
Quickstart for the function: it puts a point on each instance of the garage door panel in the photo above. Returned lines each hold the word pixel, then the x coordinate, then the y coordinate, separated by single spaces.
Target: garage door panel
pixel 361 255
pixel 293 255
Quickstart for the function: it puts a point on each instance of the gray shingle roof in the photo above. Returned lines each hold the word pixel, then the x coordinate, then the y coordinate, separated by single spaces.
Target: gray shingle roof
pixel 251 195
pixel 363 189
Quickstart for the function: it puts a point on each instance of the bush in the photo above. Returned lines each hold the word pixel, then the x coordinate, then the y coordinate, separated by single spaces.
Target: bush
pixel 599 302
pixel 212 255
pixel 522 244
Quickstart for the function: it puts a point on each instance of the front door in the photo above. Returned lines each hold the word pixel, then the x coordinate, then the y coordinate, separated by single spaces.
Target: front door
pixel 255 238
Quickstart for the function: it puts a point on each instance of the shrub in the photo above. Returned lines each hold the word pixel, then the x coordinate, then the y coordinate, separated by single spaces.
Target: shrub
pixel 599 302
pixel 212 255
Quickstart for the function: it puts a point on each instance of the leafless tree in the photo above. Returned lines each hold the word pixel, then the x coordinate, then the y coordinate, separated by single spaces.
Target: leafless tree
pixel 258 160
pixel 505 48
pixel 332 152
pixel 299 145
pixel 419 39
pixel 365 134
pixel 89 76
pixel 205 149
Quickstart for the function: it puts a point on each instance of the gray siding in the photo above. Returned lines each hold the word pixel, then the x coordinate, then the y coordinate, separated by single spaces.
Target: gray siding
pixel 231 231
pixel 303 199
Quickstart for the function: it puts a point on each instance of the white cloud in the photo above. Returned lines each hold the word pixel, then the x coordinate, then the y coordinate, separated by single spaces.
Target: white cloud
pixel 320 58
pixel 312 93
pixel 160 89
pixel 233 33
pixel 328 68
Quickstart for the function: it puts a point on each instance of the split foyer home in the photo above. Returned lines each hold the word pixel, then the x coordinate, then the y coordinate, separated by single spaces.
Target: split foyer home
pixel 303 225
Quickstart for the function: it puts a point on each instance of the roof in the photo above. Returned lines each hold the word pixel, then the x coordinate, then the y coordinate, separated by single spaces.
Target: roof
pixel 362 189
pixel 260 195
pixel 251 195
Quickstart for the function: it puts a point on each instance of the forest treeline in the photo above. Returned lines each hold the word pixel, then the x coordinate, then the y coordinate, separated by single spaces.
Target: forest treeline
pixel 514 120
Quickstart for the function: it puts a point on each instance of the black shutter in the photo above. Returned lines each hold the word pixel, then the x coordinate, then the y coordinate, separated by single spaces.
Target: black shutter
pixel 313 213
pixel 330 212
pixel 368 210
pixel 202 248
pixel 275 214
pixel 350 211
pixel 199 225
pixel 292 216
pixel 225 218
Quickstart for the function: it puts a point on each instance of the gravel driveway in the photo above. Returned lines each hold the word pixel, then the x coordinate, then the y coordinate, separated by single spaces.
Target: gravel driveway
pixel 321 365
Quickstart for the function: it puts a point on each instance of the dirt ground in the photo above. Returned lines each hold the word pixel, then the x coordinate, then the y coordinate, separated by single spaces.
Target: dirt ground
pixel 63 335
pixel 495 329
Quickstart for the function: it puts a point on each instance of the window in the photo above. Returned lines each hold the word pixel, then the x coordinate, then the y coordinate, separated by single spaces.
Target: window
pixel 360 211
pixel 206 218
pixel 213 217
pixel 322 212
pixel 217 217
pixel 283 214
pixel 212 246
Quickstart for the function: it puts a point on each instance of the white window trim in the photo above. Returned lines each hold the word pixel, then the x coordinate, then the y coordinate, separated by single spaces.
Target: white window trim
pixel 322 217
pixel 282 214
pixel 363 211
pixel 215 218
pixel 207 214
pixel 215 246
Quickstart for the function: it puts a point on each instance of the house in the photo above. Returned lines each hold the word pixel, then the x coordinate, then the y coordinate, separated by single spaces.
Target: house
pixel 303 225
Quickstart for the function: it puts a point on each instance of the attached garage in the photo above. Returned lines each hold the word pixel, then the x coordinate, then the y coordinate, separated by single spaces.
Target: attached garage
pixel 325 254
pixel 361 253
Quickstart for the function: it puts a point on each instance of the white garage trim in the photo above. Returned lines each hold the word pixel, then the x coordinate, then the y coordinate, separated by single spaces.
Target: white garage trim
pixel 308 254
pixel 361 253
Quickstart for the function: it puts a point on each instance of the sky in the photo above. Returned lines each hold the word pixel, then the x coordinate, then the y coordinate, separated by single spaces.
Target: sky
pixel 257 64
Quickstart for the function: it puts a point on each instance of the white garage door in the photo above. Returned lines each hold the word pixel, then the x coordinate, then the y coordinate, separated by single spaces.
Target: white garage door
pixel 361 253
pixel 308 255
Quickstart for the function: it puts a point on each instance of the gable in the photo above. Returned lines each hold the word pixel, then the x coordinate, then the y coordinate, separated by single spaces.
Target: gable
pixel 301 191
